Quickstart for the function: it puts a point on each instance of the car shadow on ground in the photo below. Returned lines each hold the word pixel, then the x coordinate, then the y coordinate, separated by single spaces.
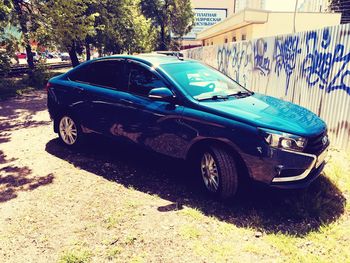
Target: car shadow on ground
pixel 295 212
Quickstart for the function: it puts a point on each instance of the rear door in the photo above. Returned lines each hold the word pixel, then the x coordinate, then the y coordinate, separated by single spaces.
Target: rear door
pixel 105 92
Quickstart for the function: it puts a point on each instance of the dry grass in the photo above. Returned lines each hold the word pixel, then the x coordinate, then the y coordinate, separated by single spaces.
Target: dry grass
pixel 113 203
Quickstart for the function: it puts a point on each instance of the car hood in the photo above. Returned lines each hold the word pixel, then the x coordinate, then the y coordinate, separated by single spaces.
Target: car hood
pixel 268 112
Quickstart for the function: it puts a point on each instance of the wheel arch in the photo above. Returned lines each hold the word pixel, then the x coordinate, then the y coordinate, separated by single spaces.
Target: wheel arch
pixel 58 114
pixel 201 144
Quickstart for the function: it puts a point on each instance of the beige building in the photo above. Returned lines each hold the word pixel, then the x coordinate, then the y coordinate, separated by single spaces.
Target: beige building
pixel 253 4
pixel 249 24
pixel 314 6
pixel 210 4
pixel 210 12
pixel 207 13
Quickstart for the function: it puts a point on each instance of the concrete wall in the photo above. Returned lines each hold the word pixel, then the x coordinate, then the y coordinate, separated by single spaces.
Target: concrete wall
pixel 258 23
pixel 226 4
pixel 282 23
pixel 311 69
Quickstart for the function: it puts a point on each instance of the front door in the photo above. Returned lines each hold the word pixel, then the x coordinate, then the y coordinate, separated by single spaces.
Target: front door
pixel 154 124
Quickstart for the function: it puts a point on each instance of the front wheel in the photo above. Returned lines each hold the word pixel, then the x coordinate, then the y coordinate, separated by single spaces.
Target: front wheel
pixel 218 172
pixel 69 131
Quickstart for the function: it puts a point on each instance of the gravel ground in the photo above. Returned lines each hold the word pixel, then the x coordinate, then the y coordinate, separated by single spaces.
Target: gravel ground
pixel 111 202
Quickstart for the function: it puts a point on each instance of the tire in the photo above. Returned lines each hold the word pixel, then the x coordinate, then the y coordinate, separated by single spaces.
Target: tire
pixel 69 131
pixel 226 185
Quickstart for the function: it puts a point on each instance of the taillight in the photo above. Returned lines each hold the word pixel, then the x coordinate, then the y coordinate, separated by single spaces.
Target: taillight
pixel 48 85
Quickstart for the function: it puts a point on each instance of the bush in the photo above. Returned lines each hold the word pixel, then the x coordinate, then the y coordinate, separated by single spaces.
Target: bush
pixel 5 64
pixel 10 87
pixel 38 78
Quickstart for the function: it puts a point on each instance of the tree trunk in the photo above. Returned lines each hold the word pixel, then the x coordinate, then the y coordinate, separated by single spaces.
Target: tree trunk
pixel 24 29
pixel 100 52
pixel 30 59
pixel 163 45
pixel 73 55
pixel 87 49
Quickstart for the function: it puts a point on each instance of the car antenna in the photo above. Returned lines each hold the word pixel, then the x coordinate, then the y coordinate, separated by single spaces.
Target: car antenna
pixel 177 54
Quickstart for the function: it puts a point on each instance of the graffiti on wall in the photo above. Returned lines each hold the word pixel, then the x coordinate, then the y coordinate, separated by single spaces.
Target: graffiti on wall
pixel 303 68
pixel 326 65
pixel 321 61
pixel 286 51
pixel 262 62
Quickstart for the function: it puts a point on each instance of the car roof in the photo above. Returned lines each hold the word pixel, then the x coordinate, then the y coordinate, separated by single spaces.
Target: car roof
pixel 150 59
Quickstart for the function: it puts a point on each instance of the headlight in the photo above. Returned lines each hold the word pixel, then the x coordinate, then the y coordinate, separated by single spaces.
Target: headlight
pixel 283 140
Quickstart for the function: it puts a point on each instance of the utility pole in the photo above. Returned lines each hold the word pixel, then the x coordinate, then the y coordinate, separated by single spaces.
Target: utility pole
pixel 295 13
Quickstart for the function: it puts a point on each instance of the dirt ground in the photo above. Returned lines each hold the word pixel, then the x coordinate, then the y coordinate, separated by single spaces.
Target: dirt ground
pixel 109 202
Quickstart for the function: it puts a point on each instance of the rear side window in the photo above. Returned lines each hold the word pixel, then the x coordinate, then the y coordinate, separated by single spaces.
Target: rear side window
pixel 142 80
pixel 105 73
pixel 80 74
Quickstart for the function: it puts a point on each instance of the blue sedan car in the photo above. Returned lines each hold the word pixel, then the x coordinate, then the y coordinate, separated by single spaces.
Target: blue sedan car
pixel 185 109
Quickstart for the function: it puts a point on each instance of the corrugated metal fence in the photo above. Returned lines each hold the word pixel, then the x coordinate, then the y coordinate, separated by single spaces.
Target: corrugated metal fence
pixel 311 69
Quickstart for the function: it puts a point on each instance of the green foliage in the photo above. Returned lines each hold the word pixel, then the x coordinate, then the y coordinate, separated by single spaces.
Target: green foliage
pixel 9 45
pixel 76 256
pixel 39 77
pixel 66 21
pixel 121 27
pixel 169 17
pixel 12 87
pixel 5 10
pixel 183 18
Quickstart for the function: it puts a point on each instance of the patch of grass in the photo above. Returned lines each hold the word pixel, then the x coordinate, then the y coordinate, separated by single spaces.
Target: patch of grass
pixel 115 219
pixel 128 212
pixel 12 86
pixel 193 213
pixel 190 231
pixel 76 256
pixel 114 252
pixel 137 259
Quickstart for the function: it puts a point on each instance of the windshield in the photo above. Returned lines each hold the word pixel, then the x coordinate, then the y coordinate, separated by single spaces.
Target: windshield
pixel 203 82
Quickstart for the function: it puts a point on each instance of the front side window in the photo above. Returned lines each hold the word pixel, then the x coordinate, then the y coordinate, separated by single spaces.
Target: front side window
pixel 202 82
pixel 142 80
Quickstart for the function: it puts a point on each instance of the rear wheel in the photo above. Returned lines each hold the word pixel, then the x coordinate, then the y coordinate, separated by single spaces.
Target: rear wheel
pixel 69 131
pixel 218 172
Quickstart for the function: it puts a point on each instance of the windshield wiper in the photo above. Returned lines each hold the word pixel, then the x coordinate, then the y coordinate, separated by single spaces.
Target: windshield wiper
pixel 241 93
pixel 214 97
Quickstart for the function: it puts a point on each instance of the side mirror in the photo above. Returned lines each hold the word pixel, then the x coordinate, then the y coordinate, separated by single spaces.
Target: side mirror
pixel 161 94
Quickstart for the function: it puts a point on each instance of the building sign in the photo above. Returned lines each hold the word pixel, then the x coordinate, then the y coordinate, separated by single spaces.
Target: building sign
pixel 205 18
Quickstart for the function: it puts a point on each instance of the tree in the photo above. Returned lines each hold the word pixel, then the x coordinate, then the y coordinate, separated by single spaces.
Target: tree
pixel 22 14
pixel 169 16
pixel 343 7
pixel 183 19
pixel 67 23
pixel 121 27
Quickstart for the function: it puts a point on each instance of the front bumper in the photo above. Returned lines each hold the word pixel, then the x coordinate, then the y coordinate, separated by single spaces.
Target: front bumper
pixel 287 169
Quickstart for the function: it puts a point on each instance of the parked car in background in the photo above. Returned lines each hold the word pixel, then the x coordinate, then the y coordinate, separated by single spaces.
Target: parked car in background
pixel 65 57
pixel 21 55
pixel 187 110
pixel 36 57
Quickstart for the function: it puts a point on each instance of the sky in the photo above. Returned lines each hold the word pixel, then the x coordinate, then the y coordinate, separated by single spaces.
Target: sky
pixel 281 5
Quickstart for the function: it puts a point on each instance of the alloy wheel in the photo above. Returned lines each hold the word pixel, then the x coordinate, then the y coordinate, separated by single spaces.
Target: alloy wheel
pixel 68 130
pixel 210 173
